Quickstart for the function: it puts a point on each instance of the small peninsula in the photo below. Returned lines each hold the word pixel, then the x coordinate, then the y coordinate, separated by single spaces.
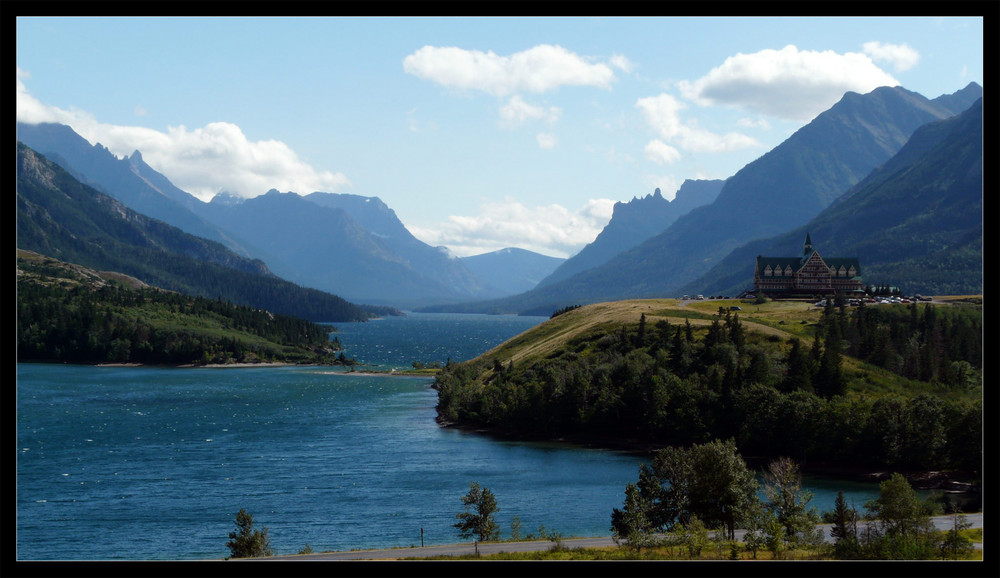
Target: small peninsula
pixel 71 314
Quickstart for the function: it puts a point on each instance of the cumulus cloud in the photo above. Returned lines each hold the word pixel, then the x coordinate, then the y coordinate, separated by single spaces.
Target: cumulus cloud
pixel 203 161
pixel 620 62
pixel 551 230
pixel 219 157
pixel 517 111
pixel 31 111
pixel 546 140
pixel 901 56
pixel 662 153
pixel 663 114
pixel 787 83
pixel 539 69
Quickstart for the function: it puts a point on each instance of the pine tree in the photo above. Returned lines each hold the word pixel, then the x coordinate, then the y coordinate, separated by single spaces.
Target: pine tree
pixel 830 377
pixel 845 529
pixel 245 541
pixel 798 374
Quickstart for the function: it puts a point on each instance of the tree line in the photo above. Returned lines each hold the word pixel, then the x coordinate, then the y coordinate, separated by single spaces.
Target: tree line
pixel 685 492
pixel 934 344
pixel 674 384
pixel 115 324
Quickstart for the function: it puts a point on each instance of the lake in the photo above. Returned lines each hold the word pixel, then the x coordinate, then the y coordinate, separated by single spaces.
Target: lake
pixel 149 463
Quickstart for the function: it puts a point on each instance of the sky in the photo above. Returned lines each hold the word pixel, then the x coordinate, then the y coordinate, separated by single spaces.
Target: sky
pixel 480 133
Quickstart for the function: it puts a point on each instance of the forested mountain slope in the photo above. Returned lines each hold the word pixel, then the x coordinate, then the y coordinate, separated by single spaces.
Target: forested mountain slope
pixel 129 180
pixel 62 218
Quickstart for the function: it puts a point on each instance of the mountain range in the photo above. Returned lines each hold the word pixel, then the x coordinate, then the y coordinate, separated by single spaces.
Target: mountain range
pixel 356 247
pixel 918 217
pixel 635 221
pixel 60 217
pixel 780 191
pixel 348 245
pixel 513 270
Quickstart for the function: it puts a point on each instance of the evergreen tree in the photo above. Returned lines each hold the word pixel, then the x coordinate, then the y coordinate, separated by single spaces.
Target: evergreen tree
pixel 798 374
pixel 245 541
pixel 845 529
pixel 477 519
pixel 829 378
pixel 736 335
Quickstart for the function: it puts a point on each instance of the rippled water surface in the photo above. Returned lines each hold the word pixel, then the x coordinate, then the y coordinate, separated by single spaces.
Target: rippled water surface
pixel 153 463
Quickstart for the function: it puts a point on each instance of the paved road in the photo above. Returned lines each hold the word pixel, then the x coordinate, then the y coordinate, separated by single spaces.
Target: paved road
pixel 941 522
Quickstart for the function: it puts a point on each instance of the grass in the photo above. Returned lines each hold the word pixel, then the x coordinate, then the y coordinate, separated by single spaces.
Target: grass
pixel 667 553
pixel 555 334
pixel 774 320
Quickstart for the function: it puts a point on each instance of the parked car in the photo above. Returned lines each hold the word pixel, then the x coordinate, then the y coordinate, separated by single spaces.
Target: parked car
pixel 735 308
pixel 700 297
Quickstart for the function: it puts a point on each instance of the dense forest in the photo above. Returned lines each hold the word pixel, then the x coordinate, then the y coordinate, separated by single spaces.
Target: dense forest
pixel 70 314
pixel 896 386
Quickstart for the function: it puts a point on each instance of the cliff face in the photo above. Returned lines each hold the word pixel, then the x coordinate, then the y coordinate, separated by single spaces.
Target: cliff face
pixel 634 222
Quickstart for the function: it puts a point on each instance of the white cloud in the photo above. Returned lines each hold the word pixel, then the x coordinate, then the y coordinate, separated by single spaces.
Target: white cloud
pixel 204 161
pixel 901 56
pixel 754 123
pixel 662 153
pixel 550 230
pixel 546 140
pixel 517 111
pixel 31 111
pixel 662 113
pixel 539 69
pixel 620 62
pixel 787 83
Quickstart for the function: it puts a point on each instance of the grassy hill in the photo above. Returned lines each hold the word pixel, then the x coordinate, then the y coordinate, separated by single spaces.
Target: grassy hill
pixel 883 385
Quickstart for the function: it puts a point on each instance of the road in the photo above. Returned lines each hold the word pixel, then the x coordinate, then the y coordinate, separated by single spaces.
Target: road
pixel 941 522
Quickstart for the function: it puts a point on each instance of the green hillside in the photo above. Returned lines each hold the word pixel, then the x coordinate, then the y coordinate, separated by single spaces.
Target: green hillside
pixel 68 313
pixel 897 386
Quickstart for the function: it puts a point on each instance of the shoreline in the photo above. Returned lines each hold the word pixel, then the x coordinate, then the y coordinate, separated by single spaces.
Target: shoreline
pixel 951 481
pixel 944 480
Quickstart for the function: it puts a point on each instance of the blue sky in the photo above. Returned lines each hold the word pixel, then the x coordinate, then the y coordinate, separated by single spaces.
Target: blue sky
pixel 481 133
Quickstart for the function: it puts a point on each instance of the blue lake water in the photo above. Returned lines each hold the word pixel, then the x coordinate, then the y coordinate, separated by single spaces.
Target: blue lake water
pixel 144 463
